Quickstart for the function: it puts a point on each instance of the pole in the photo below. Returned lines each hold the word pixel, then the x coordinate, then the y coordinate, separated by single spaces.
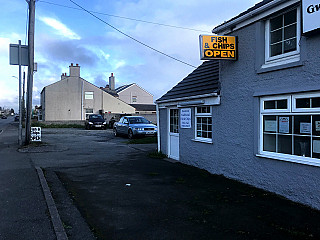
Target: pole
pixel 23 96
pixel 30 69
pixel 20 102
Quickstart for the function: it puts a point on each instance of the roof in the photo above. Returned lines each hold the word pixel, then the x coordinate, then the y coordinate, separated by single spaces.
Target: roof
pixel 119 89
pixel 252 9
pixel 203 80
pixel 144 107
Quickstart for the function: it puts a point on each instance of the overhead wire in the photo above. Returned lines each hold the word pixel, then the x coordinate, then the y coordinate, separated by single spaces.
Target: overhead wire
pixel 127 18
pixel 134 39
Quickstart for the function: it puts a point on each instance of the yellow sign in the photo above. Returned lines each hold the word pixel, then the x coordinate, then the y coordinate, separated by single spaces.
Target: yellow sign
pixel 218 47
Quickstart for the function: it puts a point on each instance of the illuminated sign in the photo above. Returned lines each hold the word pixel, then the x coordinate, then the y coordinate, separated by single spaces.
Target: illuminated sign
pixel 218 47
pixel 310 15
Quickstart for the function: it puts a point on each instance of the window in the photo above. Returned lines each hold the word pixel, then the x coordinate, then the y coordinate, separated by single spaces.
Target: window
pixel 203 124
pixel 88 95
pixel 174 120
pixel 134 99
pixel 290 128
pixel 88 112
pixel 282 35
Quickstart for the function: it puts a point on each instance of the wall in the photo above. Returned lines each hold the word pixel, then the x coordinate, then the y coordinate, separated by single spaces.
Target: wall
pixel 143 97
pixel 236 122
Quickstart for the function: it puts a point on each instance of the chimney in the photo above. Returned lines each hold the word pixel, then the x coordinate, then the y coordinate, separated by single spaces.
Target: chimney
pixel 111 82
pixel 74 71
pixel 63 76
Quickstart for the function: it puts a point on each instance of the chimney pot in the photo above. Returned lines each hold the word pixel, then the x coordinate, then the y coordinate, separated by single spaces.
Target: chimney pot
pixel 77 64
pixel 71 64
pixel 111 74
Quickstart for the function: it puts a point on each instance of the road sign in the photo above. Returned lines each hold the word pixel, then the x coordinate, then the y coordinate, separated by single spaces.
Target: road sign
pixel 36 134
pixel 14 54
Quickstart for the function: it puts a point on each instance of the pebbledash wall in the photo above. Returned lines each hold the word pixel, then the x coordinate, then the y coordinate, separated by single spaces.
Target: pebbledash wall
pixel 235 150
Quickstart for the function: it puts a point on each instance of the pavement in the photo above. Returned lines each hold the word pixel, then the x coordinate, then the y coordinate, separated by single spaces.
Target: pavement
pixel 82 184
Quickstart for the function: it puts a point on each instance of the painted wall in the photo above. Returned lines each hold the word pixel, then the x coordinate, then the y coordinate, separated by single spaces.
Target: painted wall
pixel 63 100
pixel 143 97
pixel 236 121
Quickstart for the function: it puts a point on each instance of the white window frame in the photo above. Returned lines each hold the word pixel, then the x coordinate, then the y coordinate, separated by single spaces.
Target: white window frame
pixel 290 111
pixel 209 115
pixel 87 114
pixel 89 95
pixel 284 58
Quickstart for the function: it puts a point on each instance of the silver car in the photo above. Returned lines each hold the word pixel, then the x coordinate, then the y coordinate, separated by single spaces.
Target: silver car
pixel 134 126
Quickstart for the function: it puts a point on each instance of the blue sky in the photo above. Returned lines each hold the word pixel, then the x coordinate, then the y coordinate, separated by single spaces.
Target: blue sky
pixel 65 35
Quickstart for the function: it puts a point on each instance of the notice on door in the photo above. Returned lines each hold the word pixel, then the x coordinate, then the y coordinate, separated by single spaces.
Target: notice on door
pixel 185 118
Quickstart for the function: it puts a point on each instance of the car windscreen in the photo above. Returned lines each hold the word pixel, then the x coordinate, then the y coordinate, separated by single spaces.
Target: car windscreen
pixel 138 120
pixel 94 117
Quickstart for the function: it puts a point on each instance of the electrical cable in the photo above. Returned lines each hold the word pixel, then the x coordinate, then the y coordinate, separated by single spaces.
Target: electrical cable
pixel 127 18
pixel 136 40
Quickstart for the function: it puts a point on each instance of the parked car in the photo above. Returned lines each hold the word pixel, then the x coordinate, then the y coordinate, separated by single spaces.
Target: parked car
pixel 95 121
pixel 134 126
pixel 16 118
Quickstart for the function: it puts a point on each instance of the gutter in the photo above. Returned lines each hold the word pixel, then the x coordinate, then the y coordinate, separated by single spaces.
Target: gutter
pixel 250 14
pixel 186 98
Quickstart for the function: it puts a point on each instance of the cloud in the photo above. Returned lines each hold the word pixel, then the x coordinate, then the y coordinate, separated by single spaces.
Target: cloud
pixel 61 29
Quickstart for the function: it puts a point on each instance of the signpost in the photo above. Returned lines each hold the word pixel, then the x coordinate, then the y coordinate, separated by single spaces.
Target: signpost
pixel 19 56
pixel 218 47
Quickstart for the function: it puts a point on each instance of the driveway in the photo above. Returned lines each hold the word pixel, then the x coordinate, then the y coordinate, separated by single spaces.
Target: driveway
pixel 121 193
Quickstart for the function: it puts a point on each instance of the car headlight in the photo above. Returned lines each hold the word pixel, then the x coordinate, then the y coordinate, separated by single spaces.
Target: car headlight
pixel 90 122
pixel 105 123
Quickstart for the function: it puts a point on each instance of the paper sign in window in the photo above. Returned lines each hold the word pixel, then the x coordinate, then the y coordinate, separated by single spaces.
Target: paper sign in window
pixel 316 146
pixel 270 126
pixel 185 117
pixel 317 123
pixel 305 127
pixel 284 124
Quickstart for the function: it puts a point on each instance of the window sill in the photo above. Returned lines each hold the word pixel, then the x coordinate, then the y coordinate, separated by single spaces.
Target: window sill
pixel 291 158
pixel 202 140
pixel 280 64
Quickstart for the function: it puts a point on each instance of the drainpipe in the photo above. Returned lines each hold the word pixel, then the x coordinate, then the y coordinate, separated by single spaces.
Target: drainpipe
pixel 82 101
pixel 158 125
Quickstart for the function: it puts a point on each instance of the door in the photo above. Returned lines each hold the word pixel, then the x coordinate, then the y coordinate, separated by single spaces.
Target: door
pixel 173 136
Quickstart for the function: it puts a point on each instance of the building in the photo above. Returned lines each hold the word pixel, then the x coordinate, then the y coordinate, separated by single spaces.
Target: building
pixel 258 119
pixel 73 99
pixel 134 94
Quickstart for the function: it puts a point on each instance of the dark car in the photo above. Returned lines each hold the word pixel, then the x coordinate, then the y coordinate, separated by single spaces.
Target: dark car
pixel 16 118
pixel 134 126
pixel 95 121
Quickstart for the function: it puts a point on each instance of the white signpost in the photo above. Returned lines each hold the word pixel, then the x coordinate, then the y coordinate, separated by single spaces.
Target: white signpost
pixel 310 15
pixel 185 117
pixel 35 134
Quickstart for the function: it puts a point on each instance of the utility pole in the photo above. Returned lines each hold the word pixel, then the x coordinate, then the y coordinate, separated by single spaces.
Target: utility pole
pixel 20 100
pixel 30 68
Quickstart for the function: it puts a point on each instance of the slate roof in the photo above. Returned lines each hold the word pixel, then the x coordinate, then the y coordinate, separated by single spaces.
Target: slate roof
pixel 203 80
pixel 256 6
pixel 119 89
pixel 144 107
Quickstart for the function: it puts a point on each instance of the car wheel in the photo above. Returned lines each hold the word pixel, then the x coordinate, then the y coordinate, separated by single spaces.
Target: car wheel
pixel 130 134
pixel 115 132
pixel 87 127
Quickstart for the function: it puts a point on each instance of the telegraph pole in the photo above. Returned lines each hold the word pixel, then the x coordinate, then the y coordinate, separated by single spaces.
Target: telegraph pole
pixel 30 68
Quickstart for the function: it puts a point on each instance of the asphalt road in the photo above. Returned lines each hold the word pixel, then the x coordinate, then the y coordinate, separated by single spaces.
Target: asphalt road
pixel 104 186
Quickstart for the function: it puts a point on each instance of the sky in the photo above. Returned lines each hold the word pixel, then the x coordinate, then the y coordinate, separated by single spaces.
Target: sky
pixel 65 35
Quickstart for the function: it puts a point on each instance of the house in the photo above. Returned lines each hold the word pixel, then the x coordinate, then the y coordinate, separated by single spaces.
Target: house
pixel 134 94
pixel 73 99
pixel 258 119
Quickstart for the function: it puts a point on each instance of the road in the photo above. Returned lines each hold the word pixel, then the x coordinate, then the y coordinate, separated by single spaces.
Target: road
pixel 5 122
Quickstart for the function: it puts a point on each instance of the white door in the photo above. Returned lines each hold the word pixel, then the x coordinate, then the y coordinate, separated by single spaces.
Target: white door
pixel 173 136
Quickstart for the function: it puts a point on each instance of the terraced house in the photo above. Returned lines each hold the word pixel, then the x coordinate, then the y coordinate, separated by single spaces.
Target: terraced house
pixel 255 118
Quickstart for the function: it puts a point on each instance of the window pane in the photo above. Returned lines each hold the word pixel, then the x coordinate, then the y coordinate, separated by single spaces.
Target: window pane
pixel 302 125
pixel 276 49
pixel 316 125
pixel 270 104
pixel 269 142
pixel 276 36
pixel 285 144
pixel 290 32
pixel 276 23
pixel 284 124
pixel 269 124
pixel 302 146
pixel 282 104
pixel 303 103
pixel 290 45
pixel 315 102
pixel 316 147
pixel 290 17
